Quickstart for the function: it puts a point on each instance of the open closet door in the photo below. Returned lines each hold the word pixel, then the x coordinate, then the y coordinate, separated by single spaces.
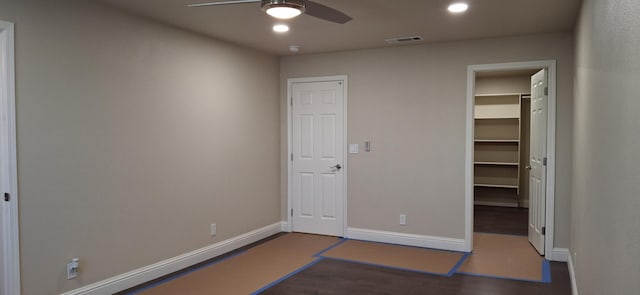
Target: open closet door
pixel 538 160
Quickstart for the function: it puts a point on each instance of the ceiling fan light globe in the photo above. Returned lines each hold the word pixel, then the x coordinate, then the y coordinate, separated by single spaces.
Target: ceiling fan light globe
pixel 283 12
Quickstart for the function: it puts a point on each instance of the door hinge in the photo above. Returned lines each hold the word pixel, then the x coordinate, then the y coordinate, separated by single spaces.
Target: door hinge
pixel 7 197
pixel 544 230
pixel 544 161
pixel 291 211
pixel 546 91
pixel 292 157
pixel 291 101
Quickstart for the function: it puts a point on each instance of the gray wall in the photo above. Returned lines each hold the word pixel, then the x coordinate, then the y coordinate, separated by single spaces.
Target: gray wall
pixel 132 138
pixel 503 84
pixel 410 102
pixel 606 167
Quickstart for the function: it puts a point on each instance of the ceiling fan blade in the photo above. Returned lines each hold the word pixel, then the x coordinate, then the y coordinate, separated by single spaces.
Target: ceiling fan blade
pixel 223 3
pixel 326 13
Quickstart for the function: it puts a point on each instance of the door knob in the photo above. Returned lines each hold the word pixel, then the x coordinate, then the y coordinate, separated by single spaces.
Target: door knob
pixel 337 167
pixel 527 167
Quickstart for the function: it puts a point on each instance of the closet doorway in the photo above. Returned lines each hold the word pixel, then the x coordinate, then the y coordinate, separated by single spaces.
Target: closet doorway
pixel 510 152
pixel 501 150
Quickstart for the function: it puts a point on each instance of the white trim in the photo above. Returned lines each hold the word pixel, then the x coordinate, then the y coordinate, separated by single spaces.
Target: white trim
pixel 157 270
pixel 469 161
pixel 559 254
pixel 284 226
pixel 551 159
pixel 503 94
pixel 9 176
pixel 406 239
pixel 572 276
pixel 551 145
pixel 288 156
pixel 345 165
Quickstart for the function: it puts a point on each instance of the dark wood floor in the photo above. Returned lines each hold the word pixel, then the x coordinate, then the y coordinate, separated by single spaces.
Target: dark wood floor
pixel 501 220
pixel 333 277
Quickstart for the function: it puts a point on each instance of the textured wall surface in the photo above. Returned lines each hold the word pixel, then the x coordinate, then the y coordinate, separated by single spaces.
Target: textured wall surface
pixel 411 103
pixel 133 138
pixel 606 166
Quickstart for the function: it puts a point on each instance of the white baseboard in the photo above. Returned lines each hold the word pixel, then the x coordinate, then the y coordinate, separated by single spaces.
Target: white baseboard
pixel 406 239
pixel 285 227
pixel 162 268
pixel 572 277
pixel 559 254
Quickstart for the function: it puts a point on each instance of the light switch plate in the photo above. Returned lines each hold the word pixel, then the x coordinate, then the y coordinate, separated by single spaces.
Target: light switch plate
pixel 353 148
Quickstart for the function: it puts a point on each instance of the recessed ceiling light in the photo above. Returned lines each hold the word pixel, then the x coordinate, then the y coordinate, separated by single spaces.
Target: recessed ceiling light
pixel 458 7
pixel 280 28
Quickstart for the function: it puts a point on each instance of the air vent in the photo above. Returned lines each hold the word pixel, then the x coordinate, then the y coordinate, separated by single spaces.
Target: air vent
pixel 404 40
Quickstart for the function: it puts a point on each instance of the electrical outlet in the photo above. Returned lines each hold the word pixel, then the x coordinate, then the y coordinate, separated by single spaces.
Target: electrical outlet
pixel 73 268
pixel 403 219
pixel 214 229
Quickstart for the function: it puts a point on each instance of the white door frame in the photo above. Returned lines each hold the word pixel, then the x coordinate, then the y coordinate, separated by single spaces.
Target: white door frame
pixel 290 82
pixel 551 145
pixel 10 280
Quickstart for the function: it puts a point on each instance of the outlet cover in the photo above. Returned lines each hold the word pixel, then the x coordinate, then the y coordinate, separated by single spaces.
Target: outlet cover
pixel 73 269
pixel 403 219
pixel 214 229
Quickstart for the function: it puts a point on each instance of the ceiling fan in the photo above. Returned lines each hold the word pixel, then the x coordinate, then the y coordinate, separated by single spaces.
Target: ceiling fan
pixel 286 9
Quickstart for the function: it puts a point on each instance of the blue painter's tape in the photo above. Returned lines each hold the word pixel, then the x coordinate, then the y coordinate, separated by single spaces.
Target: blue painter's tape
pixel 387 266
pixel 319 254
pixel 280 280
pixel 546 271
pixel 450 273
pixel 498 277
pixel 407 246
pixel 182 274
pixel 460 262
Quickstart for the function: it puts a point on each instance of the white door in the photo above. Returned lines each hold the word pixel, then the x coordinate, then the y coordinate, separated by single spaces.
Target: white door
pixel 537 160
pixel 318 157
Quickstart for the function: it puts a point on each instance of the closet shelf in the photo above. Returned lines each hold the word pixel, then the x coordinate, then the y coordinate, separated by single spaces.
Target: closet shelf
pixel 496 140
pixel 495 185
pixel 498 130
pixel 501 94
pixel 497 118
pixel 497 163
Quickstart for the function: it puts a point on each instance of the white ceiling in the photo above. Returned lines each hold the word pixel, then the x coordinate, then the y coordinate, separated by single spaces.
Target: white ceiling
pixel 373 21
